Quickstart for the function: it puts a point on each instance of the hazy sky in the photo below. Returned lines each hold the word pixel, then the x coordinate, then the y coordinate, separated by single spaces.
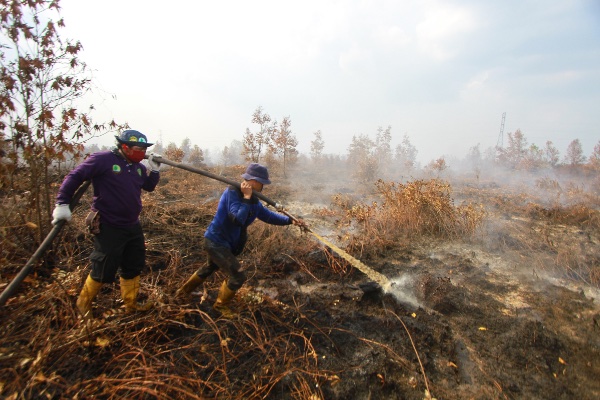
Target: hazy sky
pixel 441 72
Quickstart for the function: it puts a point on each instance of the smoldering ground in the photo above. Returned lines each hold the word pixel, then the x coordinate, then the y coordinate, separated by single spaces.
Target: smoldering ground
pixel 505 311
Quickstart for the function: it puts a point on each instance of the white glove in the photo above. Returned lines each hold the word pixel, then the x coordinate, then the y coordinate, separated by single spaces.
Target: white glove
pixel 154 165
pixel 61 211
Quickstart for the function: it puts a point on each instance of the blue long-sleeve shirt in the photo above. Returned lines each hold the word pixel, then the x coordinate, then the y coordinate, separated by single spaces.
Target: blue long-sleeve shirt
pixel 117 186
pixel 235 214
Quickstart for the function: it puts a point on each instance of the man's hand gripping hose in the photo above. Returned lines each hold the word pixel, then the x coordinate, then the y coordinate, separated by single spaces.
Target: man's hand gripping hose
pixel 296 221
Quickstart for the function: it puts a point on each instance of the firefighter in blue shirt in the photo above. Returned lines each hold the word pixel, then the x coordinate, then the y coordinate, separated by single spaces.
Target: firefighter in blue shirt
pixel 226 236
pixel 118 179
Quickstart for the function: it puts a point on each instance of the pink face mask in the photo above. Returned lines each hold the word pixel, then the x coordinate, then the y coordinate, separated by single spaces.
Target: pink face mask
pixel 134 155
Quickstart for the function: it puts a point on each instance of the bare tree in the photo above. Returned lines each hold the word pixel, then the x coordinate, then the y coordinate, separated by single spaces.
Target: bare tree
pixel 174 153
pixel 196 156
pixel 475 160
pixel 383 149
pixel 251 146
pixel 552 154
pixel 255 143
pixel 41 78
pixel 515 152
pixel 186 147
pixel 283 143
pixel 437 166
pixel 533 158
pixel 406 154
pixel 316 147
pixel 574 155
pixel 362 158
pixel 595 157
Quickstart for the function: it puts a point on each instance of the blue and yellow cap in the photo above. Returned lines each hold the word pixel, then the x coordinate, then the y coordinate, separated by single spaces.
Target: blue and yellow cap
pixel 131 137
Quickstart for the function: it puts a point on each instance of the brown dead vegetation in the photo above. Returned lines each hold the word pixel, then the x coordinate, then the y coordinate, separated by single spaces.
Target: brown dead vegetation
pixel 305 328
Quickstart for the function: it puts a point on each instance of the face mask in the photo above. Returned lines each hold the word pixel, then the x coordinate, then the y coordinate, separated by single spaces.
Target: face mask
pixel 133 155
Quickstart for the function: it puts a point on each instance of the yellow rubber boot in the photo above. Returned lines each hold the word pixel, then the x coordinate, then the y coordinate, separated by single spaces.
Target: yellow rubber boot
pixel 87 295
pixel 184 292
pixel 223 300
pixel 129 292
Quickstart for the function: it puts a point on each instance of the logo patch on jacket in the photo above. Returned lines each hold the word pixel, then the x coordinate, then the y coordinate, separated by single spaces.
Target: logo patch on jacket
pixel 116 169
pixel 139 171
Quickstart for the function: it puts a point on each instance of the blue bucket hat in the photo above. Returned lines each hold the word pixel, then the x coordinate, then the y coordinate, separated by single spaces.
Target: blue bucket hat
pixel 258 173
pixel 133 138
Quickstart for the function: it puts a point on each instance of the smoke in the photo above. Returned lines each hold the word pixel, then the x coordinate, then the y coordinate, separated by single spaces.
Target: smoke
pixel 403 290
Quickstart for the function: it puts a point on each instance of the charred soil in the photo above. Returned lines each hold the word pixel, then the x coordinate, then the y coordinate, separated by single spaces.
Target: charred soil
pixel 491 316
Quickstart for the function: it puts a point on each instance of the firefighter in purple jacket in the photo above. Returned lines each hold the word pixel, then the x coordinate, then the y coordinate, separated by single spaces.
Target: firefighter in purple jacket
pixel 226 236
pixel 118 178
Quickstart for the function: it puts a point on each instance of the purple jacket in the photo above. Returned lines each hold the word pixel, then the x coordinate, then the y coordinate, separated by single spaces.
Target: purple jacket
pixel 117 186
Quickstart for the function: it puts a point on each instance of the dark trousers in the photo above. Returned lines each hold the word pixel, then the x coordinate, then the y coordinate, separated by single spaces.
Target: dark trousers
pixel 220 257
pixel 117 247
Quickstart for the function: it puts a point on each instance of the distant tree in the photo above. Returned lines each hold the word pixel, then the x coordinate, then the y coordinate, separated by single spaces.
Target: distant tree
pixel 574 155
pixel 251 146
pixel 256 143
pixel 490 155
pixel 475 160
pixel 316 147
pixel 196 156
pixel 283 143
pixel 270 159
pixel 158 147
pixel 437 166
pixel 237 148
pixel 41 78
pixel 552 154
pixel 232 154
pixel 186 147
pixel 383 149
pixel 362 158
pixel 595 157
pixel 533 158
pixel 406 154
pixel 174 153
pixel 515 151
pixel 207 155
pixel 225 156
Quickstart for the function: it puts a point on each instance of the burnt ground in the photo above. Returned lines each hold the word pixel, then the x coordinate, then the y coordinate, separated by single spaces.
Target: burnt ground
pixel 488 317
pixel 481 329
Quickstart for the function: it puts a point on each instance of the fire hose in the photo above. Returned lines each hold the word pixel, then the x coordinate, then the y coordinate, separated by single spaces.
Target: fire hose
pixel 10 289
pixel 18 279
pixel 223 179
pixel 382 280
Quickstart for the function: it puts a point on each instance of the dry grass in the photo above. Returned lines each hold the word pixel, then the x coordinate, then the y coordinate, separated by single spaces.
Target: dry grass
pixel 172 351
pixel 270 350
pixel 405 212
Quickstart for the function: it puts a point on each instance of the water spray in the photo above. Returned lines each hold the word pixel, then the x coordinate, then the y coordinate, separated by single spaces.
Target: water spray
pixel 380 279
